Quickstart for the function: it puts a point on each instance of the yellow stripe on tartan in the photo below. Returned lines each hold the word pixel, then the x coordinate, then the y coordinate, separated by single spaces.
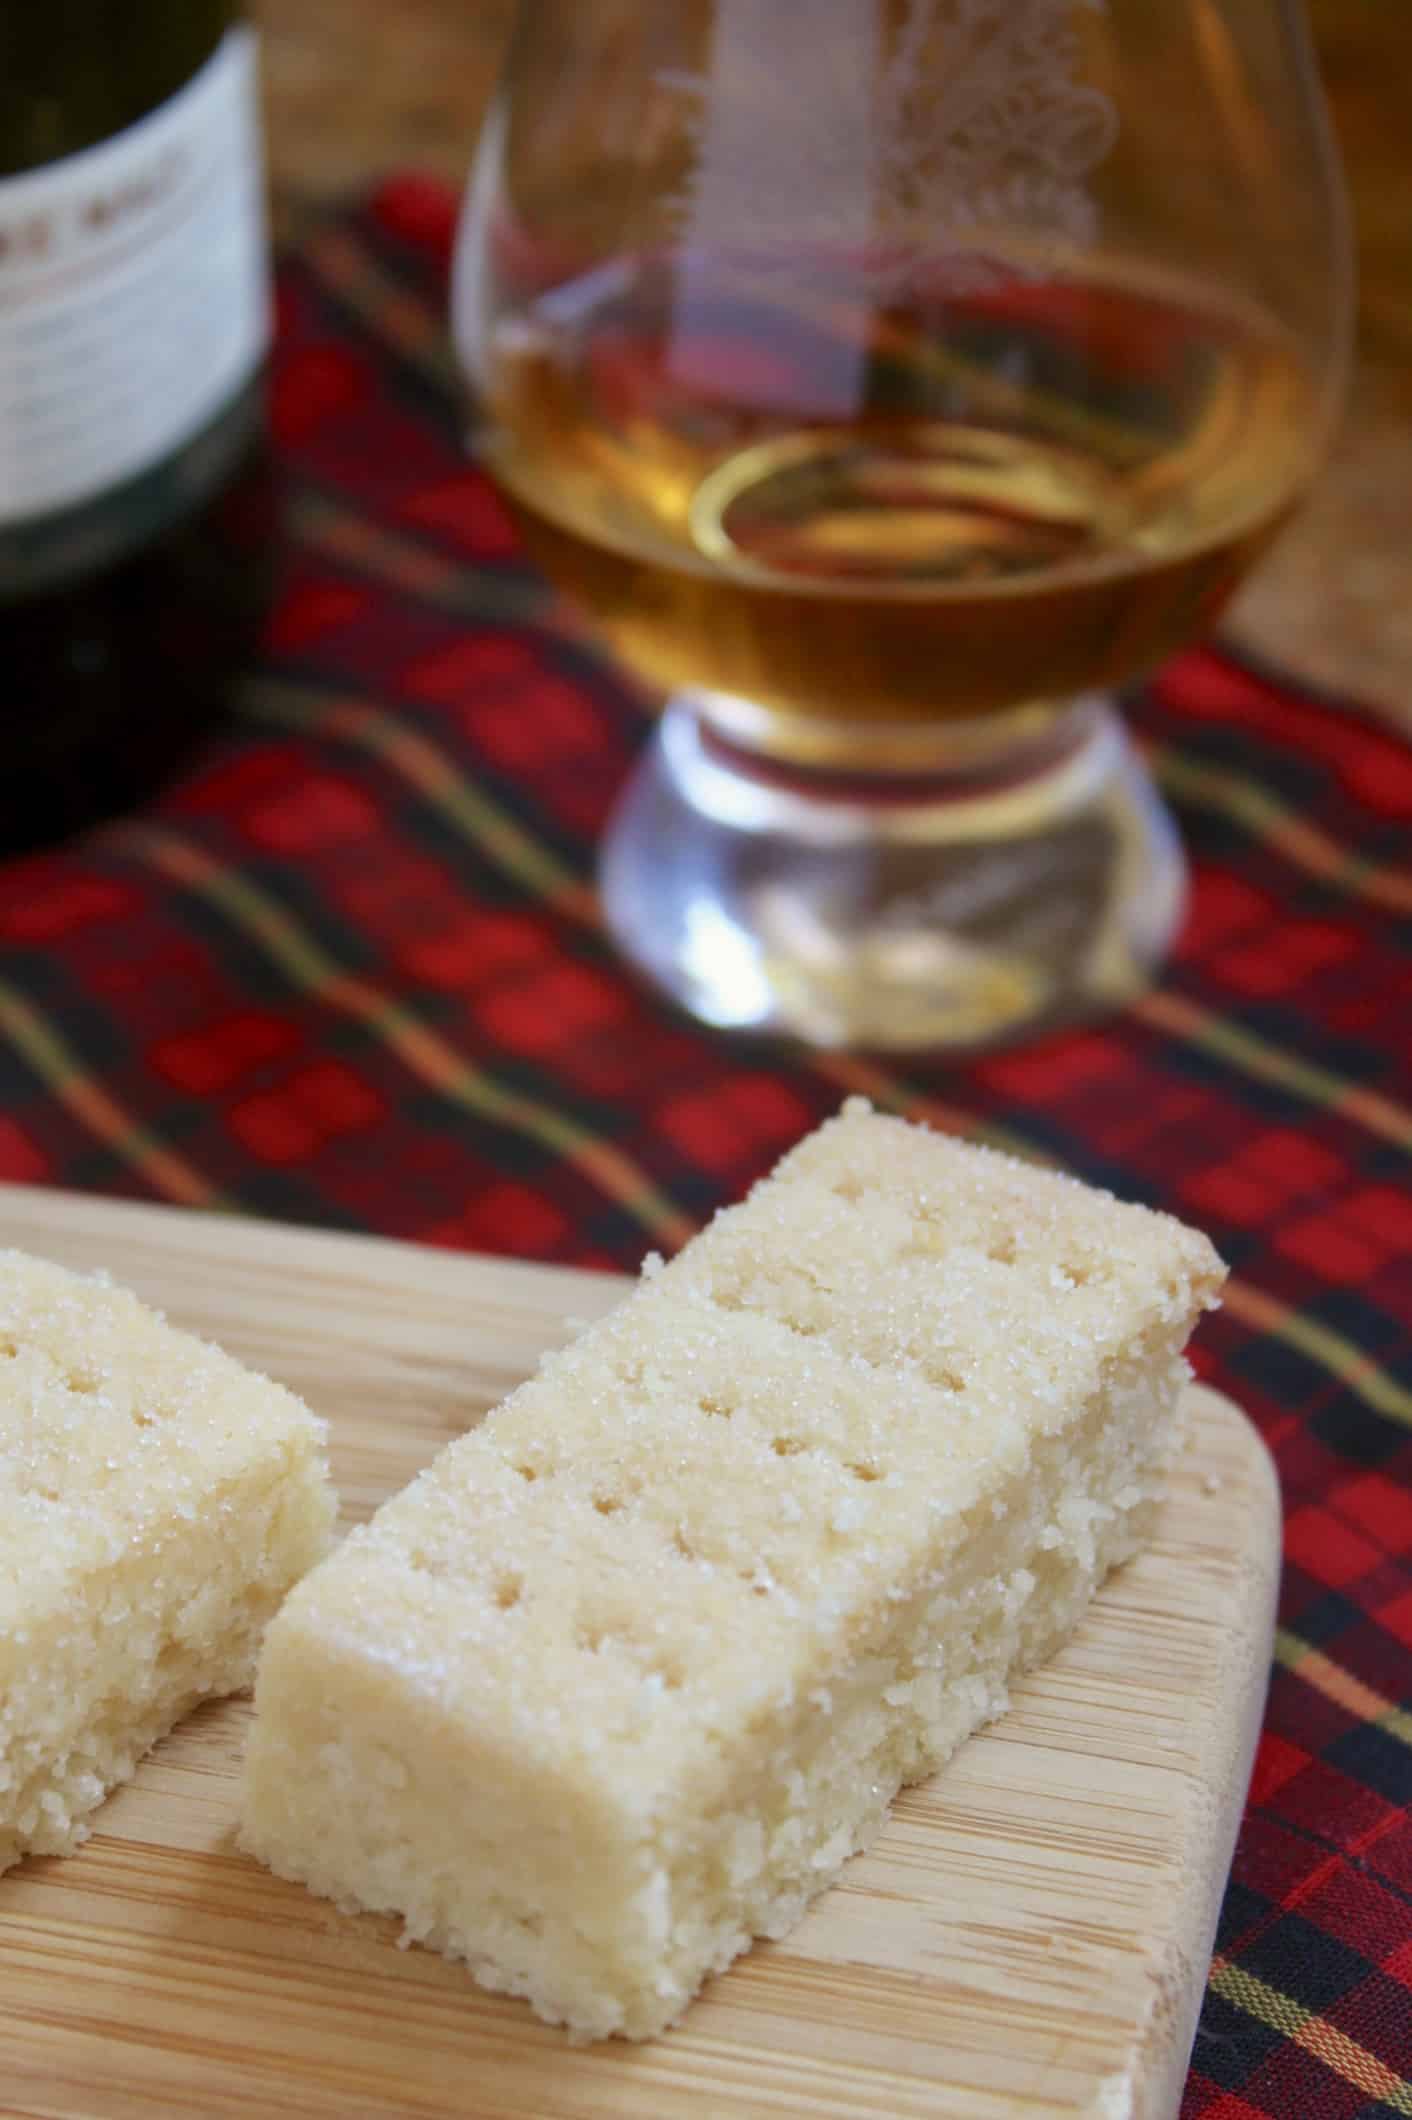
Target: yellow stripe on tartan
pixel 418 569
pixel 65 1078
pixel 1265 817
pixel 413 329
pixel 513 850
pixel 1346 1691
pixel 1293 2020
pixel 310 968
pixel 1183 1018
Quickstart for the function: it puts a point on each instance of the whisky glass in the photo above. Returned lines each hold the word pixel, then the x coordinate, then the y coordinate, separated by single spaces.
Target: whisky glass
pixel 888 381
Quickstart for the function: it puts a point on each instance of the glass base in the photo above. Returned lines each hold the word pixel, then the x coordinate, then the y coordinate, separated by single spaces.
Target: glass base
pixel 1023 877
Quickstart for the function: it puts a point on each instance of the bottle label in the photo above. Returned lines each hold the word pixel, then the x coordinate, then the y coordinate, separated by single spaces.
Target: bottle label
pixel 133 294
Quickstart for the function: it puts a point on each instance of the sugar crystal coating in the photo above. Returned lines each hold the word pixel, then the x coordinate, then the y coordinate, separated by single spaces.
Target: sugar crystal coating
pixel 624 1677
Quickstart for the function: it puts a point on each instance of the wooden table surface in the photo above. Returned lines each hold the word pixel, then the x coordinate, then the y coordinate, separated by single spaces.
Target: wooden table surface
pixel 368 86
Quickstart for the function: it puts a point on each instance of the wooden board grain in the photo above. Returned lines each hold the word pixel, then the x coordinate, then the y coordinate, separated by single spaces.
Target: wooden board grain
pixel 1027 1940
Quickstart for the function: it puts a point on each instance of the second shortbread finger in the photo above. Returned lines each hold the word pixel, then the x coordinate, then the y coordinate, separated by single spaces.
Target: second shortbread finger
pixel 625 1677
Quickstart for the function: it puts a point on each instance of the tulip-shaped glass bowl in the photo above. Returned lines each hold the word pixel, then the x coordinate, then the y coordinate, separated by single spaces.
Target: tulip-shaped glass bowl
pixel 888 381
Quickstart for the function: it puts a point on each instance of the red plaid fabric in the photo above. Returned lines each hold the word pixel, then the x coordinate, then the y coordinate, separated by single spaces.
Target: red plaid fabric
pixel 349 971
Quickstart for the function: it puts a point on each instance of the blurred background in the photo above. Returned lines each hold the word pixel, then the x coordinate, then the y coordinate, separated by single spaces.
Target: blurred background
pixel 379 84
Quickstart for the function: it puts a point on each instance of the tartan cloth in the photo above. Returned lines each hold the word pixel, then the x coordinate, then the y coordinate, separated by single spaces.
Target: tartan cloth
pixel 349 972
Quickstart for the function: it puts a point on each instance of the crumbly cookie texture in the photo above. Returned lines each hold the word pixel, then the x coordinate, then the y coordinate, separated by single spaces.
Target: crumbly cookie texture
pixel 623 1679
pixel 157 1500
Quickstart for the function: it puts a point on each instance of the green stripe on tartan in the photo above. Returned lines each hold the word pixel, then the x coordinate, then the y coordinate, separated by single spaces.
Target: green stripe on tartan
pixel 1293 2020
pixel 1181 1017
pixel 310 968
pixel 427 769
pixel 66 1079
pixel 1341 1685
pixel 1265 817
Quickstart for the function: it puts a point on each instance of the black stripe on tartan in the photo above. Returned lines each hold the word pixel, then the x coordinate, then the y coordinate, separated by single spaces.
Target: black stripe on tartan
pixel 417 387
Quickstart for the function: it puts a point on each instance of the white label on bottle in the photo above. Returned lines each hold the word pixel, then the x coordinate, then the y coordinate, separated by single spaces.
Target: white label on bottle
pixel 133 293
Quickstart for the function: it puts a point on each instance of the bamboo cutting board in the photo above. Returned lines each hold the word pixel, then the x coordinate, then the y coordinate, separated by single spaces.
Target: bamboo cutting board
pixel 1027 1940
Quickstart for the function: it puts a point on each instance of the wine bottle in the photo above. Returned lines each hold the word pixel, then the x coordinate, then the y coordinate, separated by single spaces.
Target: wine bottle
pixel 135 499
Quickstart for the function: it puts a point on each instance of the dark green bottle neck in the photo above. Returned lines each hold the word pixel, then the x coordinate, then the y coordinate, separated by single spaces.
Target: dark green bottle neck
pixel 74 72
